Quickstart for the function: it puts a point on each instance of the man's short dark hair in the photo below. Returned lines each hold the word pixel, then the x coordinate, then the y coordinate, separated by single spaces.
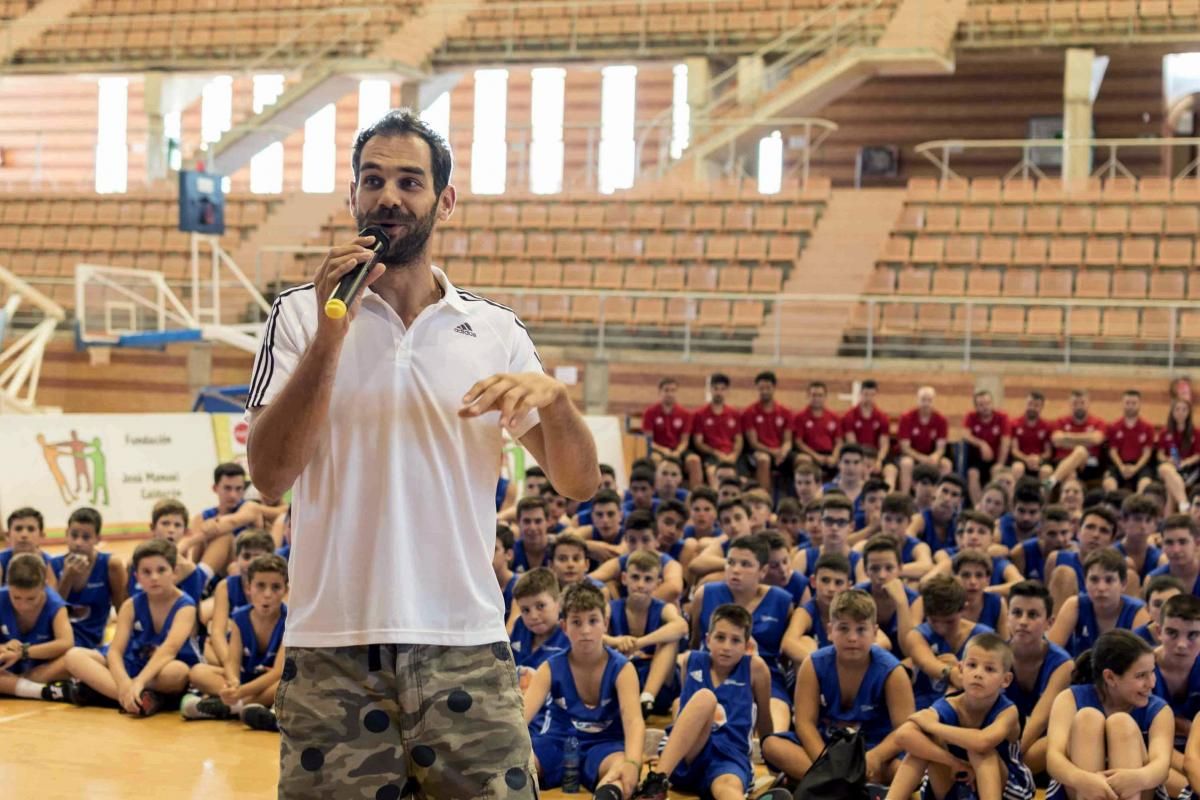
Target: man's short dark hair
pixel 668 381
pixel 718 377
pixel 897 503
pixel 1036 395
pixel 873 485
pixel 536 472
pixel 532 504
pixel 869 383
pixel 1132 393
pixel 606 497
pixel 405 122
pixel 953 480
pixel 26 513
pixel 606 469
pixel 703 493
pixel 229 469
pixel 925 473
pixel 1103 513
pixel 766 376
pixel 642 476
pixel 639 520
pixel 86 516
pixel 817 385
pixel 851 448
pixel 1034 589
pixel 1029 490
pixel 672 506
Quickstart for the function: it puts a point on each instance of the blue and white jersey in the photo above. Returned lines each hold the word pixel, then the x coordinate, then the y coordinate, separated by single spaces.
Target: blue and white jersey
pixel 1087 629
pixel 568 715
pixel 868 711
pixel 144 640
pixel 41 632
pixel 89 606
pixel 1020 779
pixel 256 660
pixel 734 719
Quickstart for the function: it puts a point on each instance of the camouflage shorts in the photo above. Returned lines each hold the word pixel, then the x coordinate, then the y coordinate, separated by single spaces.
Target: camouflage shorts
pixel 383 722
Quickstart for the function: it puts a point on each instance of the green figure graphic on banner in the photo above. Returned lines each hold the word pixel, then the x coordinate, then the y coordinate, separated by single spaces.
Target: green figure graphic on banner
pixel 95 455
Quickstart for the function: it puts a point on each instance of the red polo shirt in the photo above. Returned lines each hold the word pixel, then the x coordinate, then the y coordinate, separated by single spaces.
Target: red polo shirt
pixel 668 428
pixel 718 430
pixel 1068 425
pixel 769 425
pixel 923 436
pixel 1031 437
pixel 867 430
pixel 820 433
pixel 991 431
pixel 1129 442
pixel 1167 440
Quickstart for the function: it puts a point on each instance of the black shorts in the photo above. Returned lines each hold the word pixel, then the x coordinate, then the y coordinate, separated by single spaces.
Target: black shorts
pixel 1145 473
pixel 975 461
pixel 1092 471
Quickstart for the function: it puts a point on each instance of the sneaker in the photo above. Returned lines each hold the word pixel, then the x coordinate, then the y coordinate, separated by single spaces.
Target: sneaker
pixel 260 718
pixel 151 702
pixel 80 694
pixel 196 707
pixel 57 692
pixel 609 791
pixel 654 787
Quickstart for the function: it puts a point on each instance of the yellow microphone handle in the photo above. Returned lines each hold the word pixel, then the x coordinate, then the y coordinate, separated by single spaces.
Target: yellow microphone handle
pixel 335 308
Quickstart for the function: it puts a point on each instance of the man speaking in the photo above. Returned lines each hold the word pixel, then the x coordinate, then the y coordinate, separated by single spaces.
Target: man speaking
pixel 387 420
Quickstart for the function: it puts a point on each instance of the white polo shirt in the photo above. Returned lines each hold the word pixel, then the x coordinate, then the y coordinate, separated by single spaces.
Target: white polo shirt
pixel 394 519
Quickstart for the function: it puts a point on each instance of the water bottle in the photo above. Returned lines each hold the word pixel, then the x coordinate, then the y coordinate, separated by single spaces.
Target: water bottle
pixel 570 780
pixel 1175 455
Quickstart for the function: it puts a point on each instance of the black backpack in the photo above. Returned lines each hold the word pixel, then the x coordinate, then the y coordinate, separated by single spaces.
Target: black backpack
pixel 839 773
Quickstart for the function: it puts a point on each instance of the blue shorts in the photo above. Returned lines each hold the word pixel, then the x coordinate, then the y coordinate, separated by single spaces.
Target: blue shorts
pixel 549 752
pixel 779 689
pixel 709 765
pixel 666 695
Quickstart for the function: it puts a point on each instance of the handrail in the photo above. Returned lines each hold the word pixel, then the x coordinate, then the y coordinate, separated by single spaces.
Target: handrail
pixel 938 153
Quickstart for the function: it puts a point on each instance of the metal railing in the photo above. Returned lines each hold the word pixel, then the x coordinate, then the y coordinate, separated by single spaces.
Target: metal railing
pixel 940 152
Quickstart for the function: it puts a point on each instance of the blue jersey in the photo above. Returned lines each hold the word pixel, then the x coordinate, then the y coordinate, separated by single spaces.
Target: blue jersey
pixel 817 629
pixel 568 715
pixel 770 617
pixel 235 589
pixel 1070 558
pixel 663 560
pixel 908 548
pixel 925 689
pixel 1165 569
pixel 507 591
pixel 256 660
pixel 676 549
pixel 929 531
pixel 193 585
pixel 1026 700
pixel 813 553
pixel 285 552
pixel 213 513
pixel 6 556
pixel 1153 554
pixel 1086 696
pixel 1087 629
pixel 796 586
pixel 520 562
pixel 1020 778
pixel 989 615
pixel 41 632
pixel 524 653
pixel 144 639
pixel 730 735
pixel 1186 704
pixel 1008 530
pixel 1035 562
pixel 501 491
pixel 999 564
pixel 689 531
pixel 867 710
pixel 892 626
pixel 1146 635
pixel 89 607
pixel 618 625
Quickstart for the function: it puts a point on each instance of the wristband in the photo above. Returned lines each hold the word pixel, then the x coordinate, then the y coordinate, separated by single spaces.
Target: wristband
pixel 24 650
pixel 636 764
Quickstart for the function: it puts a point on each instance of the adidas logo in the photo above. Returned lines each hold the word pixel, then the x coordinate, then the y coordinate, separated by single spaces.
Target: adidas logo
pixel 465 328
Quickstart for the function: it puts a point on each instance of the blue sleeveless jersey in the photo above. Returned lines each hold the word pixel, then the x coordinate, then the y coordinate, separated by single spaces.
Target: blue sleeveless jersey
pixel 520 562
pixel 1035 562
pixel 501 491
pixel 770 617
pixel 892 627
pixel 1165 569
pixel 570 716
pixel 255 660
pixel 1008 530
pixel 663 560
pixel 1153 554
pixel 236 590
pixel 689 531
pixel 524 654
pixel 796 586
pixel 41 632
pixel 618 625
pixel 1087 629
pixel 1145 634
pixel 929 531
pixel 193 585
pixel 507 591
pixel 1026 700
pixel 990 614
pixel 144 639
pixel 925 689
pixel 6 556
pixel 817 629
pixel 89 607
pixel 907 548
pixel 814 552
pixel 1020 779
pixel 868 708
pixel 211 513
pixel 1185 704
pixel 734 720
pixel 285 552
pixel 1070 558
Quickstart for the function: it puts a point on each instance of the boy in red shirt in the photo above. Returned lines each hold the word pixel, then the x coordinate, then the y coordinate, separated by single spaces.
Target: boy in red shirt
pixel 767 426
pixel 669 426
pixel 717 429
pixel 987 436
pixel 817 431
pixel 1130 447
pixel 867 425
pixel 922 434
pixel 1030 446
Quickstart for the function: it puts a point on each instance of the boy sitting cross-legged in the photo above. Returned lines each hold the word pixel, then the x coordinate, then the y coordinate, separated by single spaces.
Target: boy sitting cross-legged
pixel 35 630
pixel 245 684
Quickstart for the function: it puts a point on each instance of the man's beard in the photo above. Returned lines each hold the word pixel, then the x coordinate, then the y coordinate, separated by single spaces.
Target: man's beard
pixel 404 250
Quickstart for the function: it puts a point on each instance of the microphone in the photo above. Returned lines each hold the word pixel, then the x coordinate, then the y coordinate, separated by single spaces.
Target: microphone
pixel 347 288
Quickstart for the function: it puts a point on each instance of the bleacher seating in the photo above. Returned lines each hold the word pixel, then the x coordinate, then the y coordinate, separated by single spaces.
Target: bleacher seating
pixel 186 31
pixel 11 9
pixel 1117 239
pixel 1022 19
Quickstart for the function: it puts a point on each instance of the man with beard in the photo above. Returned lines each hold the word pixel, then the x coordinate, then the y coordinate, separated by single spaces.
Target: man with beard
pixel 387 421
pixel 1077 438
pixel 1030 451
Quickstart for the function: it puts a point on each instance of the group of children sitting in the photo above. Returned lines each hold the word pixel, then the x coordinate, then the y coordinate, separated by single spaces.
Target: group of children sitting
pixel 202 632
pixel 976 654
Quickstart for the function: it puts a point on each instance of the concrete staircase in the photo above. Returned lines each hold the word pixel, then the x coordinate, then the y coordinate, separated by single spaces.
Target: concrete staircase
pixel 22 31
pixel 838 260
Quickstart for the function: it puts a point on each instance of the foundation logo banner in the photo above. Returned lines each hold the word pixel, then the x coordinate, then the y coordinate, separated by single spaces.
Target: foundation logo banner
pixel 120 464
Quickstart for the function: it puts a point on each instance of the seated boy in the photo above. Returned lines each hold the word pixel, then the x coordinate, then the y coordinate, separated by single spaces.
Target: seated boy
pixel 894 517
pixel 245 684
pixel 1041 669
pixel 789 519
pixel 26 533
pixel 640 535
pixel 1177 668
pixel 976 732
pixel 725 700
pixel 1157 591
pixel 501 558
pixel 536 635
pixel 210 533
pixel 893 600
pixel 568 562
pixel 669 520
pixel 1064 568
pixel 532 546
pixel 647 630
pixel 976 532
pixel 168 522
pixel 153 648
pixel 735 523
pixel 936 645
pixel 837 517
pixel 1181 544
pixel 972 569
pixel 702 515
pixel 807 631
pixel 35 630
pixel 593 698
pixel 1056 532
pixel 231 593
pixel 1101 607
pixel 603 535
pixel 1139 521
pixel 779 568
pixel 92 582
pixel 853 683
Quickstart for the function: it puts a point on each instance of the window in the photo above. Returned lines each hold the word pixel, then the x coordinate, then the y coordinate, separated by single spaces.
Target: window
pixel 320 151
pixel 489 151
pixel 617 114
pixel 681 112
pixel 112 155
pixel 266 167
pixel 216 108
pixel 437 115
pixel 546 140
pixel 374 100
pixel 770 163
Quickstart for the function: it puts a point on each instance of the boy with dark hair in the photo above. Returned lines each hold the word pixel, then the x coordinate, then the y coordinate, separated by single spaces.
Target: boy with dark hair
pixel 35 630
pixel 232 593
pixel 536 635
pixel 1041 669
pixel 867 510
pixel 1064 568
pixel 1155 593
pixel 603 534
pixel 779 568
pixel 702 506
pixel 723 686
pixel 976 531
pixel 91 582
pixel 1101 607
pixel 808 629
pixel 641 491
pixel 807 480
pixel 728 489
pixel 556 509
pixel 641 534
pixel 26 533
pixel 1022 523
pixel 936 645
pixel 569 562
pixel 1056 532
pixel 149 659
pixel 767 426
pixel 1181 546
pixel 925 479
pixel 530 549
pixel 501 557
pixel 669 537
pixel 973 569
pixel 245 685
pixel 789 518
pixel 851 472
pixel 892 600
pixel 211 532
pixel 837 517
pixel 1139 521
pixel 647 631
pixel 717 429
pixel 936 524
pixel 593 698
pixel 168 523
pixel 735 524
pixel 759 503
pixel 895 514
pixel 852 683
pixel 1177 669
pixel 867 425
pixel 978 730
